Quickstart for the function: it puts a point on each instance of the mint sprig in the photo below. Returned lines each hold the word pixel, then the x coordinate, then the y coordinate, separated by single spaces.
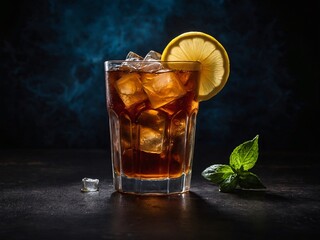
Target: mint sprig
pixel 242 159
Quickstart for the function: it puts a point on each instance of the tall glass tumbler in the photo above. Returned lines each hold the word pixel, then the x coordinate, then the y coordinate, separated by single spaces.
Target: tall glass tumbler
pixel 152 108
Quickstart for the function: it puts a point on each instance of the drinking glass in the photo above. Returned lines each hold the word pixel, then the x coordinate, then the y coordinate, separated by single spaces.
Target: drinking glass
pixel 152 108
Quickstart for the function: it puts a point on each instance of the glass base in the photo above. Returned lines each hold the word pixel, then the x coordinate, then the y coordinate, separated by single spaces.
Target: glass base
pixel 153 186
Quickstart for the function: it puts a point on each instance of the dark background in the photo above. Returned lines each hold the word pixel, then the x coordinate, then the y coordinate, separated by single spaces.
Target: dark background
pixel 52 88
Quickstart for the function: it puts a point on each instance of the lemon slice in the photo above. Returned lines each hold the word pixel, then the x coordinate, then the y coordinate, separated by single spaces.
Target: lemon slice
pixel 201 47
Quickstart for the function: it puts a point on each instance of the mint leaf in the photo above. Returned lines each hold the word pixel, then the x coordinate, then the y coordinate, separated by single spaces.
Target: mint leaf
pixel 245 155
pixel 229 184
pixel 229 177
pixel 217 173
pixel 250 180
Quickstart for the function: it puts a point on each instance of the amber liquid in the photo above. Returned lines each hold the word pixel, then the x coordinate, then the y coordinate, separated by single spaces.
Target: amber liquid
pixel 149 141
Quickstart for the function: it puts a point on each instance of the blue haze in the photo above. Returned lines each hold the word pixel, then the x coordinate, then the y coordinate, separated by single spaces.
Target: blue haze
pixel 52 72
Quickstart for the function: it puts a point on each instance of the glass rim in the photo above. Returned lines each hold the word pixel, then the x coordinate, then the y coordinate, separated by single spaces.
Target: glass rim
pixel 174 61
pixel 112 65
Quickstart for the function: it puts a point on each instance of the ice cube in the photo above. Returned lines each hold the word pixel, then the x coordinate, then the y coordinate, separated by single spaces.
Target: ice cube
pixel 151 66
pixel 152 124
pixel 178 124
pixel 130 89
pixel 184 77
pixel 150 140
pixel 151 62
pixel 162 88
pixel 132 56
pixel 152 56
pixel 90 185
pixel 187 80
pixel 178 133
pixel 132 61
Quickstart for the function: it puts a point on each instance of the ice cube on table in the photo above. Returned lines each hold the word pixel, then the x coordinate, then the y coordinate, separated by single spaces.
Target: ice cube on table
pixel 90 185
pixel 162 88
pixel 152 125
pixel 130 89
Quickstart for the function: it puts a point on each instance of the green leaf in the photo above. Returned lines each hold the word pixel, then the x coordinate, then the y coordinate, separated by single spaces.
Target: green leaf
pixel 245 155
pixel 243 158
pixel 229 184
pixel 217 173
pixel 250 180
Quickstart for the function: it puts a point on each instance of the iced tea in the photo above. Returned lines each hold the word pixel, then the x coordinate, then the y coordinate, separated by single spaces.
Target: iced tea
pixel 152 117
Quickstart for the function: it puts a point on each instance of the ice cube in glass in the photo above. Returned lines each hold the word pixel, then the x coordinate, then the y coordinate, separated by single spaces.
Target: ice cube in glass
pixel 130 89
pixel 151 62
pixel 162 88
pixel 152 56
pixel 151 131
pixel 132 62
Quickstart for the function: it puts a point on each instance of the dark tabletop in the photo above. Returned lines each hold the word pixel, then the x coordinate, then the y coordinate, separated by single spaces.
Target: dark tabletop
pixel 40 198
